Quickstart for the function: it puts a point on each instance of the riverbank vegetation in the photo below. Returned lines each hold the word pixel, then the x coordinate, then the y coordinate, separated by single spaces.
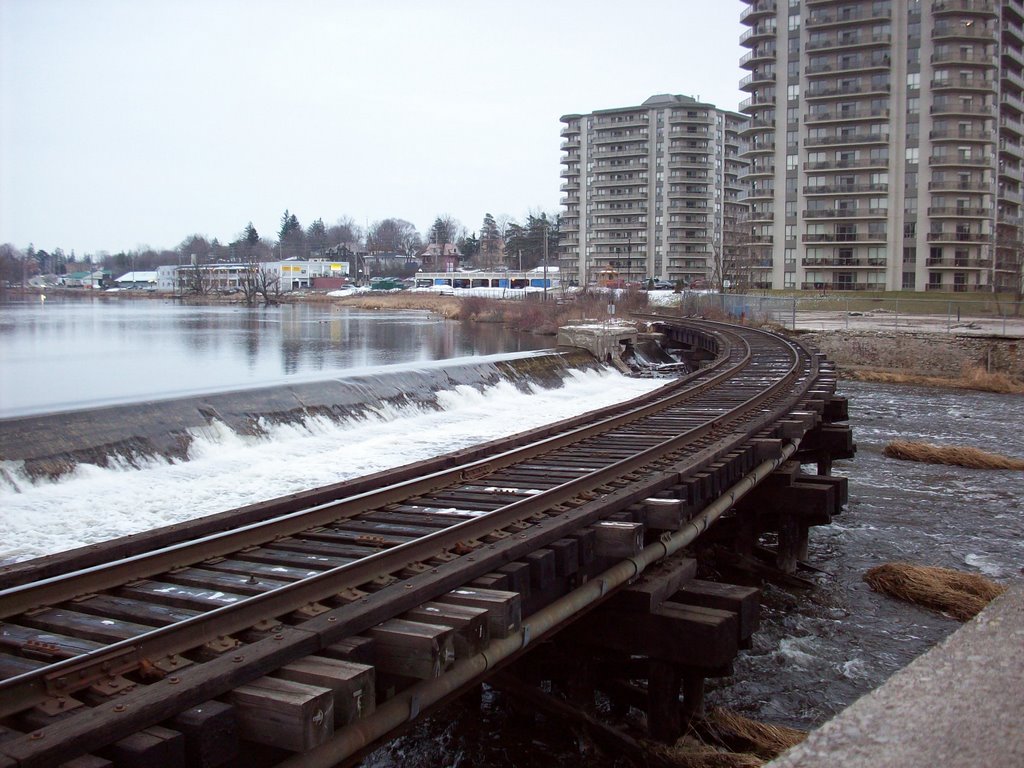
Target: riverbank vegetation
pixel 972 377
pixel 954 455
pixel 961 595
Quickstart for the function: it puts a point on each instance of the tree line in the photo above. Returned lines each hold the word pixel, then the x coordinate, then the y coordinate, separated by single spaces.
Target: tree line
pixel 500 241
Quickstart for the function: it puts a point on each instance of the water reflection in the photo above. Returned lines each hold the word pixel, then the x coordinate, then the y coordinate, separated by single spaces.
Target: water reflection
pixel 76 353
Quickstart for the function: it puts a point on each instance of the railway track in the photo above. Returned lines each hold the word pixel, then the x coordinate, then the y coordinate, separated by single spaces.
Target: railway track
pixel 91 655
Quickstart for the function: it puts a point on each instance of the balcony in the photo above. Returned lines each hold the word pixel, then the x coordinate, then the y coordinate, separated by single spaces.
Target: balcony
pixel 757 56
pixel 845 189
pixel 757 9
pixel 622 121
pixel 849 138
pixel 848 41
pixel 620 150
pixel 964 84
pixel 955 185
pixel 955 107
pixel 756 80
pixel 847 213
pixel 955 160
pixel 976 238
pixel 845 237
pixel 970 57
pixel 959 263
pixel 858 114
pixel 944 134
pixel 690 162
pixel 962 31
pixel 758 32
pixel 961 212
pixel 857 16
pixel 844 263
pixel 961 7
pixel 838 165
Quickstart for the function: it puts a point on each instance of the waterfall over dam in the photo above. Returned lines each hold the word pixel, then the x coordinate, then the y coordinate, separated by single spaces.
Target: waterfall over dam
pixel 51 444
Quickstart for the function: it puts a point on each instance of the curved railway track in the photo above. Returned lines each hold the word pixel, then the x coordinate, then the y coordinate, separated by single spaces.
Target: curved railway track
pixel 123 645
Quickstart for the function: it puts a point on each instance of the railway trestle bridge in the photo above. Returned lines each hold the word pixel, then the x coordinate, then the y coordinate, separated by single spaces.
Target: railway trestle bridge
pixel 307 630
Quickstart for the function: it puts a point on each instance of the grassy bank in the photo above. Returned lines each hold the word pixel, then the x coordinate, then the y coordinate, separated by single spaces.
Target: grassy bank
pixel 974 378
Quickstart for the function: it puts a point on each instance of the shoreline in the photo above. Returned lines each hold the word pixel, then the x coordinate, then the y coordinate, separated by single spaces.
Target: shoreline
pixel 925 356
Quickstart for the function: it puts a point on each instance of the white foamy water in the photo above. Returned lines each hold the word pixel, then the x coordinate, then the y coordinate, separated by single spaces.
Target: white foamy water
pixel 227 470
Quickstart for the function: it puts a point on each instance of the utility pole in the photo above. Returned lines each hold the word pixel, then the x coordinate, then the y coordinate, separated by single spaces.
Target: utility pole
pixel 545 262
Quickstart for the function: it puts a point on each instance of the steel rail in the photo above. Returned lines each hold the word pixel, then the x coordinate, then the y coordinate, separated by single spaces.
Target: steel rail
pixel 67 586
pixel 244 614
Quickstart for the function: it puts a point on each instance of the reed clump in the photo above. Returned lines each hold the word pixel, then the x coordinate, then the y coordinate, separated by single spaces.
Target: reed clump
pixel 960 595
pixel 955 455
pixel 725 739
pixel 973 377
pixel 727 728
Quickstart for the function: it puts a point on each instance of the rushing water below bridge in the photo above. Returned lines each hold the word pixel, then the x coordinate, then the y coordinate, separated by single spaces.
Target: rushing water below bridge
pixel 816 651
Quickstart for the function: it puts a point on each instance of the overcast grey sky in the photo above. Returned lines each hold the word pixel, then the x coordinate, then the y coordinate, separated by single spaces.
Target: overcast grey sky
pixel 128 123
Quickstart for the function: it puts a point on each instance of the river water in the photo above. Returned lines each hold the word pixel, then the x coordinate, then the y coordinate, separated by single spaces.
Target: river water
pixel 817 650
pixel 66 353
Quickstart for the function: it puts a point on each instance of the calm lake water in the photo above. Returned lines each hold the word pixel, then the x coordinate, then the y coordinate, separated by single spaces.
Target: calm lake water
pixel 66 353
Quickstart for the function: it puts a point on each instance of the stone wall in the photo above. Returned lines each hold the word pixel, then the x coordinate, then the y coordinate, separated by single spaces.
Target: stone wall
pixel 925 354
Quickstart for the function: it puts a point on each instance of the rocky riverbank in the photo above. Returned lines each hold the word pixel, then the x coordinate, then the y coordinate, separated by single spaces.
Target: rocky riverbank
pixel 936 358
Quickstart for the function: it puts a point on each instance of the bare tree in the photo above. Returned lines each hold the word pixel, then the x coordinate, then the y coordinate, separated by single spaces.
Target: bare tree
pixel 393 236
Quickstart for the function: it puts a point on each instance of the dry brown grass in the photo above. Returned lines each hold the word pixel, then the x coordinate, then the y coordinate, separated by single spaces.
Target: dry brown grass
pixel 972 377
pixel 687 753
pixel 961 595
pixel 955 455
pixel 446 306
pixel 724 739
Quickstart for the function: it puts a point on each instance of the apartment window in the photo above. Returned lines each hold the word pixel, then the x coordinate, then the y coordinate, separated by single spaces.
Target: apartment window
pixel 913 106
pixel 789 256
pixel 914 80
pixel 912 153
pixel 909 281
pixel 909 233
pixel 791 162
pixel 793 92
pixel 909 255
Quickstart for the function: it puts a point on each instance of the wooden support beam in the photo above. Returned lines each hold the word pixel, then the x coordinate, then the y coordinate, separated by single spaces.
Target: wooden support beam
pixel 353 685
pixel 744 602
pixel 504 609
pixel 211 734
pixel 837 409
pixel 155 747
pixel 542 569
pixel 412 649
pixel 518 575
pixel 656 585
pixel 663 715
pixel 677 633
pixel 357 649
pixel 281 713
pixel 472 633
pixel 617 541
pixel 834 439
pixel 663 514
pixel 567 556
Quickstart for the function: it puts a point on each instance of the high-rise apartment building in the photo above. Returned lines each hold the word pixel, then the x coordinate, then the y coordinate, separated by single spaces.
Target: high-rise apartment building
pixel 651 191
pixel 884 143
